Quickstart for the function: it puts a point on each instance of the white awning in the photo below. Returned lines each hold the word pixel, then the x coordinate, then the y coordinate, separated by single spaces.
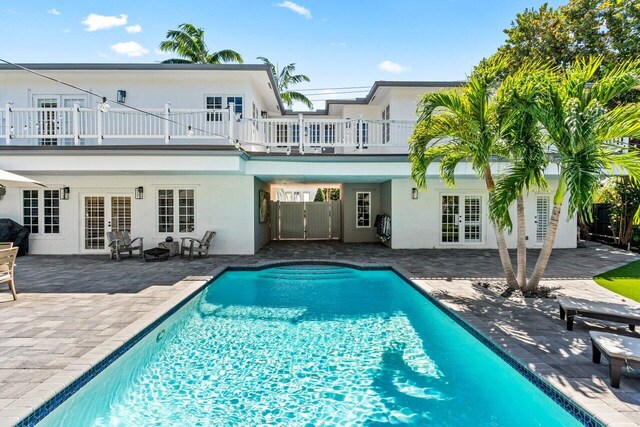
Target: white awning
pixel 8 179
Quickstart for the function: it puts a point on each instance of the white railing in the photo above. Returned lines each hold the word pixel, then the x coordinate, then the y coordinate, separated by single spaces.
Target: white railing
pixel 118 125
pixel 309 133
pixel 84 126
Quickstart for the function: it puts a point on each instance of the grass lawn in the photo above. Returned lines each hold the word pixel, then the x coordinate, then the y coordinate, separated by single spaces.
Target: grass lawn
pixel 624 280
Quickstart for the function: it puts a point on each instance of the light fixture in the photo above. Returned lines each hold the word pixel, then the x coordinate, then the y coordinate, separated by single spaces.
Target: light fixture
pixel 316 150
pixel 189 131
pixel 64 193
pixel 302 152
pixel 104 107
pixel 414 193
pixel 288 151
pixel 25 128
pixel 121 96
pixel 268 150
pixel 139 192
pixel 237 144
pixel 11 130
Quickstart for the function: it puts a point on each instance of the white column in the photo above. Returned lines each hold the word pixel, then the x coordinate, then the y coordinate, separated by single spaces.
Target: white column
pixel 75 122
pixel 7 123
pixel 167 113
pixel 232 120
pixel 99 114
pixel 360 132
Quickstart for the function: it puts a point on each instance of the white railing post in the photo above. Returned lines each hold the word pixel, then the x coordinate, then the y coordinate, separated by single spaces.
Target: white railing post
pixel 7 123
pixel 232 119
pixel 167 113
pixel 360 132
pixel 301 133
pixel 99 135
pixel 75 122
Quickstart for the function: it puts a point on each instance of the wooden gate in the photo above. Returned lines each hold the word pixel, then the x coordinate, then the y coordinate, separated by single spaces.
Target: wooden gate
pixel 305 220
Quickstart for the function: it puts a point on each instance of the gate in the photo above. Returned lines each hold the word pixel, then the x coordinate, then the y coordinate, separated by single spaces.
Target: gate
pixel 305 220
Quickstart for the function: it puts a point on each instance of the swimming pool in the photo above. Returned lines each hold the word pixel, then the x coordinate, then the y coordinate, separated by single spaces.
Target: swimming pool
pixel 307 345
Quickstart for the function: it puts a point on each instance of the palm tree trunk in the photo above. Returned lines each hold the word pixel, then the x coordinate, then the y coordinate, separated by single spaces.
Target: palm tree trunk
pixel 522 245
pixel 505 259
pixel 545 252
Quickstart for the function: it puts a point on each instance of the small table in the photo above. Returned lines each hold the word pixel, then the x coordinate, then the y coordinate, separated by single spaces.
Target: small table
pixel 174 247
pixel 156 254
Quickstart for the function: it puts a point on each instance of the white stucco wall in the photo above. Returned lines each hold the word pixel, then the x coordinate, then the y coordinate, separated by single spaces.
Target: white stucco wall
pixel 416 223
pixel 224 204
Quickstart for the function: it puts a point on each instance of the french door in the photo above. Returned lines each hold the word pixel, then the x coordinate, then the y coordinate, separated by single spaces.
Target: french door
pixel 461 219
pixel 51 121
pixel 102 213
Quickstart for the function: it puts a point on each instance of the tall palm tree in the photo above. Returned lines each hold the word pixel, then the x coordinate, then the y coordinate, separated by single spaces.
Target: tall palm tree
pixel 188 42
pixel 573 111
pixel 285 78
pixel 462 125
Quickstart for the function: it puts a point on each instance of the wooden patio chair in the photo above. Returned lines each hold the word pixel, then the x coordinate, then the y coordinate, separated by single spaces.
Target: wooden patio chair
pixel 6 245
pixel 188 245
pixel 120 242
pixel 7 263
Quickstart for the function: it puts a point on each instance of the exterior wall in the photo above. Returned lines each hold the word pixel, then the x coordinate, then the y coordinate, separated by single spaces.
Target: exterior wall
pixel 386 205
pixel 222 203
pixel 351 233
pixel 416 223
pixel 262 232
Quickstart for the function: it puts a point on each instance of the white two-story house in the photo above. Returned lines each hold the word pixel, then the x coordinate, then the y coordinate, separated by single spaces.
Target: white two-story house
pixel 176 150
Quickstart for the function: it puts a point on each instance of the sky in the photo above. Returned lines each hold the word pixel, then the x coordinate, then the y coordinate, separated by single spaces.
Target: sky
pixel 337 44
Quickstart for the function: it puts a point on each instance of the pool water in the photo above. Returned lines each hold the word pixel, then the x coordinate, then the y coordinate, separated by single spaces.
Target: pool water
pixel 308 346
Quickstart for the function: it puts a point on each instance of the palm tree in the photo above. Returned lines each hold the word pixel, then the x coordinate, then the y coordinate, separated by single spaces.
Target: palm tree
pixel 573 111
pixel 285 78
pixel 188 42
pixel 462 125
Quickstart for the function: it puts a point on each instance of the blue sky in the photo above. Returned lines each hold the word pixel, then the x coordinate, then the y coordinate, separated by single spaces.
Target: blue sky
pixel 346 43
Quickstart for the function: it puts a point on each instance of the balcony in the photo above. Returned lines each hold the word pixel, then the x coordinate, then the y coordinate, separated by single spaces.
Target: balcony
pixel 77 126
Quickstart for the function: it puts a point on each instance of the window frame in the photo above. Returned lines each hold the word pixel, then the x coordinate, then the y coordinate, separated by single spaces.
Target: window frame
pixel 368 206
pixel 176 214
pixel 225 104
pixel 461 215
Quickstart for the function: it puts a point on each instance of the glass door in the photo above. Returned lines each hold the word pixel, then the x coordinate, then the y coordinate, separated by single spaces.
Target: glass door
pixel 101 214
pixel 450 219
pixel 47 120
pixel 461 226
pixel 67 102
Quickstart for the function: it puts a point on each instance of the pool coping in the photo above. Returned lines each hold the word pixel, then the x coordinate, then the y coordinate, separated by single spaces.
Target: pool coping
pixel 63 385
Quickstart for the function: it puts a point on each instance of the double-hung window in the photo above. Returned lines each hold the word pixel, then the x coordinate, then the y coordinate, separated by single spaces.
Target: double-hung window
pixel 237 104
pixel 176 210
pixel 41 211
pixel 214 103
pixel 221 102
pixel 363 209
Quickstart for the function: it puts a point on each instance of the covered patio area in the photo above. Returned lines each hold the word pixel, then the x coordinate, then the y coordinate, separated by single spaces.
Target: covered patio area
pixel 70 307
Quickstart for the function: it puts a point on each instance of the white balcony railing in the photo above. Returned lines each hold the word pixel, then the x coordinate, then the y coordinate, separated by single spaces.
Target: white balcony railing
pixel 124 126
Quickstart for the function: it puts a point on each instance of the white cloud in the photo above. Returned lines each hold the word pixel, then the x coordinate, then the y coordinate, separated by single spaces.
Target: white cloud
pixel 132 49
pixel 100 22
pixel 392 67
pixel 300 10
pixel 132 29
pixel 66 30
pixel 53 11
pixel 338 44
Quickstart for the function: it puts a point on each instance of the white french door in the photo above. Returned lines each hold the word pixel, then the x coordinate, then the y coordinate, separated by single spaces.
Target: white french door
pixel 542 218
pixel 461 220
pixel 54 122
pixel 102 213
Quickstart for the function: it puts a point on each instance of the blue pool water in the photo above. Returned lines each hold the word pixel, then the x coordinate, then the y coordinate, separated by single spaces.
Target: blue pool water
pixel 306 346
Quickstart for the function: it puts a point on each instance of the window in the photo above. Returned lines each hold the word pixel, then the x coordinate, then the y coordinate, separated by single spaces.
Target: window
pixel 237 104
pixel 330 134
pixel 30 213
pixel 314 134
pixel 461 219
pixel 169 204
pixel 472 219
pixel 165 211
pixel 214 103
pixel 51 211
pixel 186 211
pixel 450 220
pixel 363 209
pixel 365 134
pixel 386 129
pixel 41 215
pixel 542 218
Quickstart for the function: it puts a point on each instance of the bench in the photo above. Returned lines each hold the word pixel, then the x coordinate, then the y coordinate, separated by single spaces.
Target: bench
pixel 610 311
pixel 619 350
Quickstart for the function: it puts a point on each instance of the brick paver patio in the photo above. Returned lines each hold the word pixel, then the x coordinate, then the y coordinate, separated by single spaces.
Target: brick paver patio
pixel 71 309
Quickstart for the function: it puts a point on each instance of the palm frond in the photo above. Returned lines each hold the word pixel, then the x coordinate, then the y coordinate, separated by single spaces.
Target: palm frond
pixel 289 97
pixel 226 55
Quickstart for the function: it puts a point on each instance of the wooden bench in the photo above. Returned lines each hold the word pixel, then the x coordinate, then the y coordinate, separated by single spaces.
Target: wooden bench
pixel 626 314
pixel 619 350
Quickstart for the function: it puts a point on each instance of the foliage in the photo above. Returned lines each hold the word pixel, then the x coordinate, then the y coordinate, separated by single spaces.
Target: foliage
pixel 188 42
pixel 319 196
pixel 285 78
pixel 624 199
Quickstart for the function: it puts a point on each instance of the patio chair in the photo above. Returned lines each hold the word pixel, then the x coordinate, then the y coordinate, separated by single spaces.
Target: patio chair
pixel 7 263
pixel 188 245
pixel 620 351
pixel 627 314
pixel 120 242
pixel 6 245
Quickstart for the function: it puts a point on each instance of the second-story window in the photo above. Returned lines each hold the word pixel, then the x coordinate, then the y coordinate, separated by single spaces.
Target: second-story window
pixel 386 129
pixel 364 133
pixel 214 103
pixel 237 104
pixel 314 133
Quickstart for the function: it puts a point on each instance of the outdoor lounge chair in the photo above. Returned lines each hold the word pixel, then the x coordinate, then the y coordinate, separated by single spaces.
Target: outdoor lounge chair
pixel 7 263
pixel 619 350
pixel 120 242
pixel 200 246
pixel 6 245
pixel 613 312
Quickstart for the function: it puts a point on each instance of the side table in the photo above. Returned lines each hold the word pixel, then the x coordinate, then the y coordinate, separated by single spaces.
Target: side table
pixel 174 247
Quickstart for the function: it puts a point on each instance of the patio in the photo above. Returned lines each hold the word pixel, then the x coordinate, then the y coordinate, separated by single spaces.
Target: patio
pixel 71 307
